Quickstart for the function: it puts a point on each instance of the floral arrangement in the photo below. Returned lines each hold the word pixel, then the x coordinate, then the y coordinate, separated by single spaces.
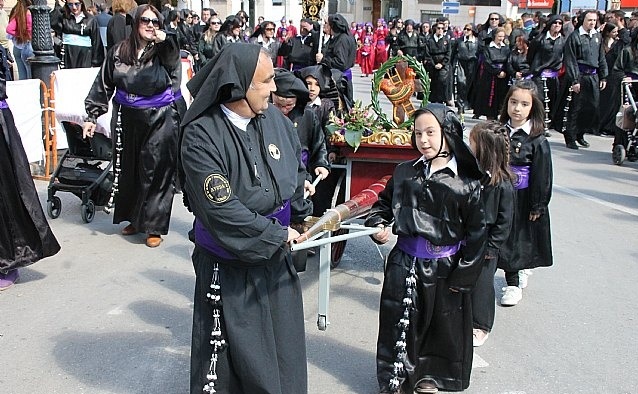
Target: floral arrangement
pixel 355 125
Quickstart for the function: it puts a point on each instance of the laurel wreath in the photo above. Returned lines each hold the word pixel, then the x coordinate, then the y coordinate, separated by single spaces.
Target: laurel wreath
pixel 376 85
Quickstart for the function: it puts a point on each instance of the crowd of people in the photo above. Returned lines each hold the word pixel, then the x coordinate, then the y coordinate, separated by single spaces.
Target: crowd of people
pixel 580 60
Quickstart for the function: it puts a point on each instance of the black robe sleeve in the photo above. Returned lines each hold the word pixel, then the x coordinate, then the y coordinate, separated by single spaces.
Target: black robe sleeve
pixel 499 213
pixel 97 101
pixel 97 48
pixel 541 177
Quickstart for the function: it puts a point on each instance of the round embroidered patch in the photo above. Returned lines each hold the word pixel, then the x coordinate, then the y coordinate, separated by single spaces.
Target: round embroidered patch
pixel 217 188
pixel 274 151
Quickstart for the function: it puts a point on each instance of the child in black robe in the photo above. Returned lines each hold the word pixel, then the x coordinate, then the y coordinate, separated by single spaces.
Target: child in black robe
pixel 425 317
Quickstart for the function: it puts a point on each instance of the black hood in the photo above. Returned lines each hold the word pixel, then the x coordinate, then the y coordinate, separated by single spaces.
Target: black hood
pixel 288 85
pixel 453 134
pixel 224 79
pixel 321 73
pixel 338 23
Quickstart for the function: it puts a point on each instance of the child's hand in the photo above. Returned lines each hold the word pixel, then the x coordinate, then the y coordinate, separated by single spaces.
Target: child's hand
pixel 533 216
pixel 383 236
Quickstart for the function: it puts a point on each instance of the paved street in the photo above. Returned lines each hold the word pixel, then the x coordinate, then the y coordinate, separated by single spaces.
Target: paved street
pixel 109 315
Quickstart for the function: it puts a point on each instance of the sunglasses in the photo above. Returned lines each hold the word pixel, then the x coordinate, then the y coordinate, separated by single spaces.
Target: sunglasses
pixel 440 28
pixel 270 29
pixel 215 23
pixel 74 5
pixel 467 29
pixel 148 21
pixel 494 19
pixel 557 23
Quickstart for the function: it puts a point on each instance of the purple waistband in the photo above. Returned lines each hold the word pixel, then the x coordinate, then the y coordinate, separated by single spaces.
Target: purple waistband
pixel 632 75
pixel 305 156
pixel 522 177
pixel 206 241
pixel 498 65
pixel 135 101
pixel 587 70
pixel 548 73
pixel 380 42
pixel 3 104
pixel 348 74
pixel 424 249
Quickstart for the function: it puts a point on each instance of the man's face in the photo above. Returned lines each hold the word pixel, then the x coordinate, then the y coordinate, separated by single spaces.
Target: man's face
pixel 440 29
pixel 409 28
pixel 426 28
pixel 205 15
pixel 305 28
pixel 262 85
pixel 446 25
pixel 590 21
pixel 494 20
pixel 399 24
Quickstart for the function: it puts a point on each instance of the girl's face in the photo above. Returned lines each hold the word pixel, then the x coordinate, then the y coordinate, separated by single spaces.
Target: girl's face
pixel 235 32
pixel 499 38
pixel 519 106
pixel 75 7
pixel 427 133
pixel 313 88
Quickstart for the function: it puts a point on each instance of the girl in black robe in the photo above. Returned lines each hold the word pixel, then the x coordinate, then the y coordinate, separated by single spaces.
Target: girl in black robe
pixel 490 143
pixel 25 236
pixel 143 74
pixel 611 97
pixel 491 82
pixel 80 35
pixel 529 244
pixel 432 203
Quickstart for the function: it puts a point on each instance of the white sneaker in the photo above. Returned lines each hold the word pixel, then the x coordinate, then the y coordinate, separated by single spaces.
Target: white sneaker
pixel 511 295
pixel 523 278
pixel 479 337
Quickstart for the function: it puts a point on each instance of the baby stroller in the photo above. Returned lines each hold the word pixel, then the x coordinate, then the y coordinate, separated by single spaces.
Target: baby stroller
pixel 84 170
pixel 626 141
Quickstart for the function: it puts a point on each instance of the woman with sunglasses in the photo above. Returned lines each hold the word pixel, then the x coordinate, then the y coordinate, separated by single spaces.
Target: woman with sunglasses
pixel 487 30
pixel 265 36
pixel 142 74
pixel 205 45
pixel 467 55
pixel 545 58
pixel 80 34
pixel 229 33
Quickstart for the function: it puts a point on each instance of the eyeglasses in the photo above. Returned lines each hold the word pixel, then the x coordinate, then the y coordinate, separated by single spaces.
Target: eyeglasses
pixel 74 5
pixel 148 21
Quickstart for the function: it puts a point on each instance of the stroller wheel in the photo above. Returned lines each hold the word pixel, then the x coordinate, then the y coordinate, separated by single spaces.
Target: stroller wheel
pixel 618 154
pixel 88 211
pixel 54 207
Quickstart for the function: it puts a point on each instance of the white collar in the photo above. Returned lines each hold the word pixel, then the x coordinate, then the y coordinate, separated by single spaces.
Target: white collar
pixel 549 36
pixel 316 101
pixel 471 39
pixel 582 31
pixel 437 38
pixel 493 45
pixel 526 127
pixel 240 121
pixel 452 165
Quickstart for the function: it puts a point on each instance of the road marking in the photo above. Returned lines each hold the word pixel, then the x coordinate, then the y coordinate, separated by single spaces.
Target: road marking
pixel 478 362
pixel 608 204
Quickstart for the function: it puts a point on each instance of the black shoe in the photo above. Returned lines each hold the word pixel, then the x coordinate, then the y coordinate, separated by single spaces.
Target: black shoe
pixel 583 143
pixel 571 145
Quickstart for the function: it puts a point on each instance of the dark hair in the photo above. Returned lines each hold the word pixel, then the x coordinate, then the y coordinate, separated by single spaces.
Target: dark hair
pixel 492 150
pixel 67 11
pixel 231 22
pixel 129 47
pixel 609 27
pixel 537 113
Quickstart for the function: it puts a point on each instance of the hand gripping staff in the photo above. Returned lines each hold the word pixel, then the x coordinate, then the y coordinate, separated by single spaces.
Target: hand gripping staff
pixel 332 220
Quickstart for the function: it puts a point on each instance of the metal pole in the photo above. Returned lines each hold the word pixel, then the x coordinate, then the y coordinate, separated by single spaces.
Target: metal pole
pixel 44 61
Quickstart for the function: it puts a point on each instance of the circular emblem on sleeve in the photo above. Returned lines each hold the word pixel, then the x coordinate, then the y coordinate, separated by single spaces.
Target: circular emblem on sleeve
pixel 217 188
pixel 274 151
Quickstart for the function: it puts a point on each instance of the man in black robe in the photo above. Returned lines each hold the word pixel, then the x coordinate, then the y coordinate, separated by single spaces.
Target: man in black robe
pixel 244 182
pixel 340 50
pixel 586 70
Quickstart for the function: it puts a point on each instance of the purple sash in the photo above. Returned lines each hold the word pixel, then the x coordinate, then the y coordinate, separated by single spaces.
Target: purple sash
pixel 305 156
pixel 3 104
pixel 522 177
pixel 548 73
pixel 424 249
pixel 135 101
pixel 498 65
pixel 348 74
pixel 206 241
pixel 587 70
pixel 631 75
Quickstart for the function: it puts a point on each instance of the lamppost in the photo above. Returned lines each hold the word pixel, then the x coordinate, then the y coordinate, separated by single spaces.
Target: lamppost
pixel 44 62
